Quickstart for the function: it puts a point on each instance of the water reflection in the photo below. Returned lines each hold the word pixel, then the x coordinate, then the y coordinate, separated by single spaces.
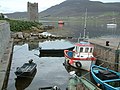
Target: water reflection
pixel 61 26
pixel 78 72
pixel 50 70
pixel 23 82
pixel 74 82
pixel 74 28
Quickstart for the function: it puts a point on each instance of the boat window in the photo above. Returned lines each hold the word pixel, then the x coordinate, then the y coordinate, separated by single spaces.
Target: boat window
pixel 77 49
pixel 86 49
pixel 90 49
pixel 81 49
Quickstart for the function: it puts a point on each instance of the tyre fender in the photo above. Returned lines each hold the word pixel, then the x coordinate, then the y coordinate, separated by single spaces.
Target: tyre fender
pixel 78 64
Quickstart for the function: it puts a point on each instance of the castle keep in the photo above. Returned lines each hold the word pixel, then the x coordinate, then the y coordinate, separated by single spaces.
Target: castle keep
pixel 32 10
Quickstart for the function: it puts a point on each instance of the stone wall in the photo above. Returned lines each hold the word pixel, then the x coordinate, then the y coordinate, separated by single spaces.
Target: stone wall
pixel 107 57
pixel 4 36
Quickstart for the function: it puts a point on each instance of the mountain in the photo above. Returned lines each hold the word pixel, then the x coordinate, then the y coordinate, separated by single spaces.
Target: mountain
pixel 74 8
pixel 17 15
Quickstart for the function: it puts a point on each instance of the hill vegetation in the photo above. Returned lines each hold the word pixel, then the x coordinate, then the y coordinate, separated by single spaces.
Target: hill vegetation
pixel 20 25
pixel 77 8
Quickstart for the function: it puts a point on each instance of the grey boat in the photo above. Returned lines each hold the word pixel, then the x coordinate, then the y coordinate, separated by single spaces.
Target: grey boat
pixel 26 70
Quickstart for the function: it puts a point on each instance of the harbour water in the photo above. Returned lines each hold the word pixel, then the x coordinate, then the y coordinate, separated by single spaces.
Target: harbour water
pixel 50 70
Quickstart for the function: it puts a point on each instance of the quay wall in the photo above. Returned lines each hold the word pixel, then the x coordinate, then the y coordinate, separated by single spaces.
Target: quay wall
pixel 4 36
pixel 107 56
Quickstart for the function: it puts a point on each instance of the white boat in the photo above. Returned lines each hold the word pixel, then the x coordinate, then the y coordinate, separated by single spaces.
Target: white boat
pixel 111 25
pixel 82 54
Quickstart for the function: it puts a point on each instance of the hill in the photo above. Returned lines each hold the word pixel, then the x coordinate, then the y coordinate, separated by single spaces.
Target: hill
pixel 73 8
pixel 77 7
pixel 17 15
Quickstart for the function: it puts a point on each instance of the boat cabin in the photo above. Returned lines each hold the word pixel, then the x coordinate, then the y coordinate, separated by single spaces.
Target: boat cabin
pixel 83 47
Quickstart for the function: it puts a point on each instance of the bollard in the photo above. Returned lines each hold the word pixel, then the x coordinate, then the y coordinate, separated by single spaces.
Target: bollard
pixel 107 43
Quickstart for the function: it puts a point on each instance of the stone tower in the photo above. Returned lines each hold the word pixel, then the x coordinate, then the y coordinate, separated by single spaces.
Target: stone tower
pixel 32 10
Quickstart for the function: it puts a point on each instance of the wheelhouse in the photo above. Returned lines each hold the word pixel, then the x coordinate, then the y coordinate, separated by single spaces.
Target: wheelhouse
pixel 84 47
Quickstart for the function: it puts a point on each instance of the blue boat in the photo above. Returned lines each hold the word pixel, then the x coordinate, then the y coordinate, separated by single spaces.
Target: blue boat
pixel 105 78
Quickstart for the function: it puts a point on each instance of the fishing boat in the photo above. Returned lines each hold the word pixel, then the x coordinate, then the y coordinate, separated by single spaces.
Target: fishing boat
pixel 82 54
pixel 111 25
pixel 54 48
pixel 60 22
pixel 106 78
pixel 26 70
pixel 80 83
pixel 53 52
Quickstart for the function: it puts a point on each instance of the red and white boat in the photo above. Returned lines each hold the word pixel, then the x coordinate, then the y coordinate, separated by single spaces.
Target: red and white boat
pixel 60 22
pixel 81 56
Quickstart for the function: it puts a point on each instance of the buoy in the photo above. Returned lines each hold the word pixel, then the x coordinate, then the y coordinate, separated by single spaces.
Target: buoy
pixel 98 84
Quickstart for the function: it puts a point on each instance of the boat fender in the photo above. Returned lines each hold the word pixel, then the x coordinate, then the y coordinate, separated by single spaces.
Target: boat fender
pixel 98 85
pixel 78 64
pixel 55 88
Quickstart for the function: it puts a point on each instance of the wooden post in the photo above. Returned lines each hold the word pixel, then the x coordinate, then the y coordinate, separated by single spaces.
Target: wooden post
pixel 117 52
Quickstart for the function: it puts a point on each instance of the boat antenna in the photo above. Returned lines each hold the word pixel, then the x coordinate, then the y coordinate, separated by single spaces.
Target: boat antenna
pixel 85 24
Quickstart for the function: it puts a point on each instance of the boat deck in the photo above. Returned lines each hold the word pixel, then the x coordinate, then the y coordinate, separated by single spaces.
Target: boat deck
pixel 27 67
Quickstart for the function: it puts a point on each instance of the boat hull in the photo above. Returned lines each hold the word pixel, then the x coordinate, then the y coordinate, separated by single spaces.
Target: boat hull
pixel 80 64
pixel 106 80
pixel 80 83
pixel 26 70
pixel 53 52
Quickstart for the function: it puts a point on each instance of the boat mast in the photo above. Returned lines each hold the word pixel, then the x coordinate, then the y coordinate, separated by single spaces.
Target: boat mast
pixel 85 24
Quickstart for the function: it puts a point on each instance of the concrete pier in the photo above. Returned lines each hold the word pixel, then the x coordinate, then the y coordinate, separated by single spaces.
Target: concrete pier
pixel 6 45
pixel 107 51
pixel 5 63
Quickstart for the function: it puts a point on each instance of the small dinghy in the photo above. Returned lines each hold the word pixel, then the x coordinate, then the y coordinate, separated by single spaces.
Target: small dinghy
pixel 26 70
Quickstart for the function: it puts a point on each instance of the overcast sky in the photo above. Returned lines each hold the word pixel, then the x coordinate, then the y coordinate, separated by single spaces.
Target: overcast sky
pixel 10 6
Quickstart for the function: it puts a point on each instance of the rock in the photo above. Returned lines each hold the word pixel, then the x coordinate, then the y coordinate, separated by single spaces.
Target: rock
pixel 37 29
pixel 19 35
pixel 26 35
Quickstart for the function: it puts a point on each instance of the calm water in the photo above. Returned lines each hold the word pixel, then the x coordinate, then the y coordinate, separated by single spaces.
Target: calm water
pixel 75 28
pixel 50 70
